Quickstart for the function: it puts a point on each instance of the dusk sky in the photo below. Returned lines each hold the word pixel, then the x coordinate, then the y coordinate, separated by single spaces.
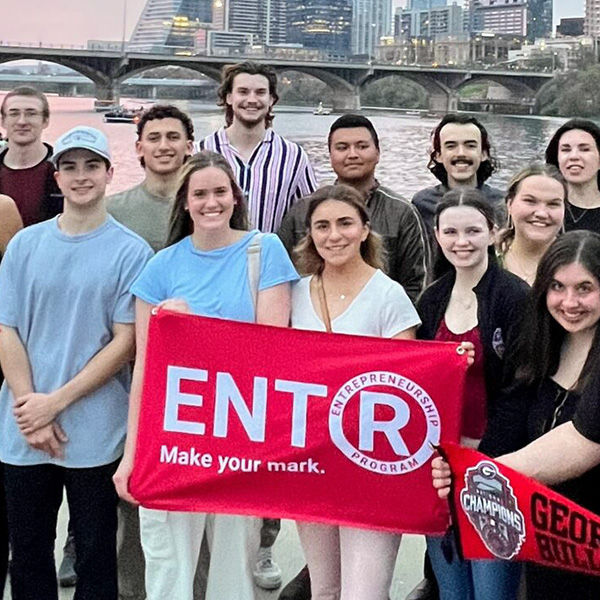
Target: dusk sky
pixel 76 21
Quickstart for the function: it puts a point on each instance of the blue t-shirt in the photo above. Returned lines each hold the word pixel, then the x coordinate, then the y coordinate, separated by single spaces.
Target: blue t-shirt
pixel 214 283
pixel 63 294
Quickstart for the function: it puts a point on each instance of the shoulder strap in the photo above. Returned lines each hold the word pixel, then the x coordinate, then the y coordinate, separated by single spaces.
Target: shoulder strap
pixel 254 267
pixel 323 303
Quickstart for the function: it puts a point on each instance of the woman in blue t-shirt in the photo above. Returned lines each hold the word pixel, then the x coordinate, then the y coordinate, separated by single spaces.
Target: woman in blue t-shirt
pixel 206 273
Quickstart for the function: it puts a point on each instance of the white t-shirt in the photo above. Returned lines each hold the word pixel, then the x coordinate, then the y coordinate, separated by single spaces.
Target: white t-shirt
pixel 381 309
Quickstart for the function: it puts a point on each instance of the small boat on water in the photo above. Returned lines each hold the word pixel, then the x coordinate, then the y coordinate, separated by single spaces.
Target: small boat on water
pixel 122 115
pixel 320 110
pixel 105 106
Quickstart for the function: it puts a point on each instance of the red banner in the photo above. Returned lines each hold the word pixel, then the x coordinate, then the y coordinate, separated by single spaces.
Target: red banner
pixel 247 419
pixel 504 514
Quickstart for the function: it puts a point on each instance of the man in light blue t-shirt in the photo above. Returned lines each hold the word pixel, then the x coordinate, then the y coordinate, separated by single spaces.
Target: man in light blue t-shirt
pixel 67 338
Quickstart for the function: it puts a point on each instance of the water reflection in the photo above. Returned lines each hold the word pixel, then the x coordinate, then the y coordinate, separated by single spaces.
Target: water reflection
pixel 404 141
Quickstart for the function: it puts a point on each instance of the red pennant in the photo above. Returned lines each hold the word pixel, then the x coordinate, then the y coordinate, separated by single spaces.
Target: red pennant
pixel 503 514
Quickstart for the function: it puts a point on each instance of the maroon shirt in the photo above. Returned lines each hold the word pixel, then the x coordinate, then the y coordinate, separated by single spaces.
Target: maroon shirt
pixel 34 191
pixel 474 416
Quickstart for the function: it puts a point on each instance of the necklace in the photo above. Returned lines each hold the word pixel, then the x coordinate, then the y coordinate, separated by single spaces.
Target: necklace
pixel 464 302
pixel 519 269
pixel 340 296
pixel 575 219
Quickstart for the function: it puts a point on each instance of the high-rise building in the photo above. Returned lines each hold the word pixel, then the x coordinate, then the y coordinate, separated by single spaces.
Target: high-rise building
pixel 264 19
pixel 570 27
pixel 371 20
pixel 170 25
pixel 506 17
pixel 591 25
pixel 428 19
pixel 539 19
pixel 321 24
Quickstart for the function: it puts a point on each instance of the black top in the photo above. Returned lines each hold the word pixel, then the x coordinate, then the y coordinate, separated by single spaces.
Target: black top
pixel 581 218
pixel 531 411
pixel 587 418
pixel 501 298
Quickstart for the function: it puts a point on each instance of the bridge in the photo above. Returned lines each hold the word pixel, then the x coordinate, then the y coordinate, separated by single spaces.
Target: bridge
pixel 108 69
pixel 73 85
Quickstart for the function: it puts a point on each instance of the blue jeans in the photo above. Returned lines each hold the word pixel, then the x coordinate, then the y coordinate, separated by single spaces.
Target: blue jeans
pixel 473 579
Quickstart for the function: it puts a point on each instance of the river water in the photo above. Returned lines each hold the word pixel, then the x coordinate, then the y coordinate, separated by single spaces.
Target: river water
pixel 404 140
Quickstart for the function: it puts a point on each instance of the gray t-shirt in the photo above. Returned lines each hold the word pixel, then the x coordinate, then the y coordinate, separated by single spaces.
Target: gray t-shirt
pixel 63 293
pixel 144 213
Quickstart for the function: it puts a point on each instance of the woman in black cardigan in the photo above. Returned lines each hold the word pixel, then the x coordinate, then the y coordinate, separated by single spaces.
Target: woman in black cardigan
pixel 473 300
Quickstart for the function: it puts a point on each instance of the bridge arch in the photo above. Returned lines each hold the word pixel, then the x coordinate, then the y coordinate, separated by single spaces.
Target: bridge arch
pixel 442 98
pixel 514 86
pixel 106 88
pixel 94 75
pixel 134 68
pixel 346 94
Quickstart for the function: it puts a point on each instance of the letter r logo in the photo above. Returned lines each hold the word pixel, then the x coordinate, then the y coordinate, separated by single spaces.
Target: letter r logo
pixel 368 425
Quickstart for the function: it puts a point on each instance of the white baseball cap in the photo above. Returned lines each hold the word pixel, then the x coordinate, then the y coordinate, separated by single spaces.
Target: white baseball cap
pixel 82 137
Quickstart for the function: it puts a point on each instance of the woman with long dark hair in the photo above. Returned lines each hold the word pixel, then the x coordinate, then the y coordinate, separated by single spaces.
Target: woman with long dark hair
pixel 472 300
pixel 344 290
pixel 575 150
pixel 205 269
pixel 543 414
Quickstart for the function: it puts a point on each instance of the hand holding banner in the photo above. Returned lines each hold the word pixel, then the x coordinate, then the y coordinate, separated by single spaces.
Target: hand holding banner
pixel 501 513
pixel 247 419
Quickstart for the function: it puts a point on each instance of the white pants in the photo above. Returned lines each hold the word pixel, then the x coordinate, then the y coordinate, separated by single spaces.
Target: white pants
pixel 171 543
pixel 347 563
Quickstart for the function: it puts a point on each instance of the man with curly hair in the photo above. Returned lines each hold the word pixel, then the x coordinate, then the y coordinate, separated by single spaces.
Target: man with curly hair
pixel 461 157
pixel 273 172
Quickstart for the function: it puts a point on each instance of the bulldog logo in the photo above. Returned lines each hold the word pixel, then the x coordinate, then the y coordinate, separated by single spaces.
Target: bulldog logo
pixel 491 507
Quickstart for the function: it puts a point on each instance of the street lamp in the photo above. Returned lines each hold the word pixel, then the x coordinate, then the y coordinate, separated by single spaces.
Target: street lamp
pixel 124 26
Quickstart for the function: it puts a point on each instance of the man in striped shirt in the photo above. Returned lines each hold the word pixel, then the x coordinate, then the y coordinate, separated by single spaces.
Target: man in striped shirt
pixel 272 171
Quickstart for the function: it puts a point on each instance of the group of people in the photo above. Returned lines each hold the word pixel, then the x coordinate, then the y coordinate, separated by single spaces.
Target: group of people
pixel 513 276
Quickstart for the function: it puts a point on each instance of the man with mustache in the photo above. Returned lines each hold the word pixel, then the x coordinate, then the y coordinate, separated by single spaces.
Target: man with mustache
pixel 460 157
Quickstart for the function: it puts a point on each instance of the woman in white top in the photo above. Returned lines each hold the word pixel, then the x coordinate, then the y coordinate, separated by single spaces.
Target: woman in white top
pixel 346 291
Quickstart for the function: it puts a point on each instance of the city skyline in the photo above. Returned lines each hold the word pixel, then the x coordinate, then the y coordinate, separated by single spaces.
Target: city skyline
pixel 74 23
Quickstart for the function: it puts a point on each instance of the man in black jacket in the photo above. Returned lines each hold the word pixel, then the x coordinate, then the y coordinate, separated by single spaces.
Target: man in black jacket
pixel 461 157
pixel 354 154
